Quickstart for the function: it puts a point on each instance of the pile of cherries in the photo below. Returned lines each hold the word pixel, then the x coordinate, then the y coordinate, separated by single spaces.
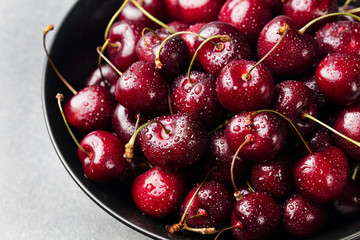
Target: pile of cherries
pixel 184 114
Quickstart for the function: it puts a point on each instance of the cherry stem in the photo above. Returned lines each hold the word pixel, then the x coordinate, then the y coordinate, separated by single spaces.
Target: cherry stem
pixel 224 38
pixel 282 31
pixel 48 29
pixel 287 119
pixel 60 98
pixel 151 17
pixel 101 55
pixel 151 30
pixel 303 29
pixel 346 4
pixel 355 10
pixel 203 231
pixel 112 20
pixel 249 186
pixel 237 225
pixel 137 121
pixel 306 115
pixel 353 177
pixel 129 147
pixel 222 125
pixel 158 63
pixel 169 102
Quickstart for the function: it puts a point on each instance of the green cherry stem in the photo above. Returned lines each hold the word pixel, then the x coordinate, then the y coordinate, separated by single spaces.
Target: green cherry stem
pixel 60 98
pixel 306 115
pixel 355 10
pixel 112 20
pixel 48 29
pixel 102 56
pixel 151 17
pixel 353 177
pixel 282 31
pixel 346 4
pixel 303 29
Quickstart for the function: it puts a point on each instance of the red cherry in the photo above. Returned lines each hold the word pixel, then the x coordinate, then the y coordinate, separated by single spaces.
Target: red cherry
pixel 110 78
pixel 192 11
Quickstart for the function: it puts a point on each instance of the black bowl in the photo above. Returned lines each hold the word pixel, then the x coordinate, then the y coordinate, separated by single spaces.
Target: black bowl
pixel 74 53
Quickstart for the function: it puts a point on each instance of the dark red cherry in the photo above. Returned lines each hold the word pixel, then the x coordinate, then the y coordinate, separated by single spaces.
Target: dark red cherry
pixel 197 97
pixel 338 78
pixel 273 177
pixel 257 216
pixel 214 58
pixel 349 202
pixel 172 9
pixel 182 147
pixel 237 93
pixel 141 88
pixel 309 80
pixel 339 37
pixel 154 7
pixel 199 11
pixel 292 98
pixel 214 200
pixel 104 159
pixel 302 12
pixel 267 131
pixel 248 16
pixel 295 54
pixel 90 109
pixel 157 192
pixel 322 176
pixel 348 123
pixel 301 217
pixel 110 78
pixel 124 34
pixel 220 157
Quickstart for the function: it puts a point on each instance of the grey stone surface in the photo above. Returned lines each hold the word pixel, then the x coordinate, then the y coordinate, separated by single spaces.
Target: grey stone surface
pixel 38 199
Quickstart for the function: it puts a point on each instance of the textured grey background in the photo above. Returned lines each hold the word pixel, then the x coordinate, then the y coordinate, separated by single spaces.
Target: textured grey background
pixel 38 199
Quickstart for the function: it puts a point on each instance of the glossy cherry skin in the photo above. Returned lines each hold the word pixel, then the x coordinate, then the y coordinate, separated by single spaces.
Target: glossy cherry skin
pixel 183 147
pixel 338 78
pixel 273 177
pixel 267 131
pixel 213 198
pixel 237 93
pixel 90 109
pixel 301 217
pixel 157 192
pixel 212 58
pixel 110 78
pixel 199 11
pixel 220 156
pixel 258 215
pixel 294 55
pixel 104 160
pixel 197 97
pixel 349 202
pixel 154 7
pixel 339 37
pixel 348 123
pixel 141 88
pixel 302 12
pixel 248 16
pixel 125 34
pixel 322 176
pixel 292 98
pixel 309 80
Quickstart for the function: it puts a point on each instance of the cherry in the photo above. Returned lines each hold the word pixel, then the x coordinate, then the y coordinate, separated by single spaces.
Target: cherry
pixel 214 57
pixel 295 54
pixel 339 37
pixel 220 156
pixel 182 147
pixel 348 123
pixel 141 88
pixel 302 12
pixel 157 192
pixel 90 109
pixel 349 202
pixel 110 78
pixel 237 93
pixel 197 97
pixel 309 80
pixel 178 26
pixel 256 216
pixel 274 177
pixel 248 16
pixel 267 133
pixel 210 207
pixel 199 11
pixel 322 176
pixel 291 99
pixel 301 217
pixel 342 73
pixel 172 9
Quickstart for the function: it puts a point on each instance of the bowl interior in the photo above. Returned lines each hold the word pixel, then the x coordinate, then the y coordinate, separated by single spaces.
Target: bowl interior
pixel 74 53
